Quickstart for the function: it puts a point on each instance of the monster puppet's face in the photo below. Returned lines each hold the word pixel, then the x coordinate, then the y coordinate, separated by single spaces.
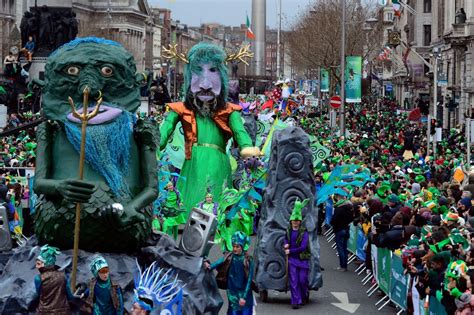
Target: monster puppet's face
pixel 105 67
pixel 206 83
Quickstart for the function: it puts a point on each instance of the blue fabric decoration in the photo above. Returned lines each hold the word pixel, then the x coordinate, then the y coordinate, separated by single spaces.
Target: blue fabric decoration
pixel 107 149
pixel 341 176
pixel 82 40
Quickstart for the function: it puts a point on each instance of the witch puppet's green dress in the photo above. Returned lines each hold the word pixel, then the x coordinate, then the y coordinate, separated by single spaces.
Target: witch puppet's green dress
pixel 206 159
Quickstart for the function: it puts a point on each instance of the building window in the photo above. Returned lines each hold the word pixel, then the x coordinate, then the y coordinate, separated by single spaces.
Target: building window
pixel 426 35
pixel 389 17
pixel 426 6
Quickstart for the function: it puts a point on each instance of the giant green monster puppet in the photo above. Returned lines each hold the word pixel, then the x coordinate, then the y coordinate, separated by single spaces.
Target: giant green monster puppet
pixel 120 170
pixel 208 121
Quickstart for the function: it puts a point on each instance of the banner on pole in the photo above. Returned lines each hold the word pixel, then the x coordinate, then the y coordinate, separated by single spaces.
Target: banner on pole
pixel 353 79
pixel 352 243
pixel 332 119
pixel 361 240
pixel 324 80
pixel 471 125
pixel 398 283
pixel 383 269
pixel 320 152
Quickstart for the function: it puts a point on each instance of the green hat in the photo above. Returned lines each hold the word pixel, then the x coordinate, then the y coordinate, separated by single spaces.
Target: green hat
pixel 414 241
pixel 48 255
pixel 296 215
pixel 419 178
pixel 436 193
pixel 393 198
pixel 97 263
pixel 326 176
pixel 395 186
pixel 382 191
pixel 403 197
pixel 417 171
pixel 443 209
pixel 241 239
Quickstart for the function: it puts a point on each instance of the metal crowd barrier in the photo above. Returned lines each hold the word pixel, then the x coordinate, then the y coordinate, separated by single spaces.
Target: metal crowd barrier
pixel 387 275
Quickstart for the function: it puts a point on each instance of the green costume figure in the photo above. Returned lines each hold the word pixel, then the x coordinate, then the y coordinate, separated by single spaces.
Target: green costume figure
pixel 171 211
pixel 209 205
pixel 120 171
pixel 227 227
pixel 236 213
pixel 103 296
pixel 235 274
pixel 208 122
pixel 51 284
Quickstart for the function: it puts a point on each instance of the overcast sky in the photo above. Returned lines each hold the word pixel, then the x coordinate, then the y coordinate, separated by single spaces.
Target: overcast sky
pixel 227 12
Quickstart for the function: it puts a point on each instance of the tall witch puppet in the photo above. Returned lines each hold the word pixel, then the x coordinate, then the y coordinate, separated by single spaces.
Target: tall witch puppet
pixel 208 120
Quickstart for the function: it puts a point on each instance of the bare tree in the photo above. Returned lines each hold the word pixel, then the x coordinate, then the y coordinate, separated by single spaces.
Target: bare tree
pixel 314 40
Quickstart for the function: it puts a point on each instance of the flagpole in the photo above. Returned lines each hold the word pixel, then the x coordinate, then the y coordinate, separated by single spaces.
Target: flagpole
pixel 245 42
pixel 279 41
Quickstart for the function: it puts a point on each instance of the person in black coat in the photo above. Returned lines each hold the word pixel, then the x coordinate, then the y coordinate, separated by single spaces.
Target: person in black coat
pixel 342 217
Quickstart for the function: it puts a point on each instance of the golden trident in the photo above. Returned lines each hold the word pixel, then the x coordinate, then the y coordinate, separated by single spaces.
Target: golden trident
pixel 84 117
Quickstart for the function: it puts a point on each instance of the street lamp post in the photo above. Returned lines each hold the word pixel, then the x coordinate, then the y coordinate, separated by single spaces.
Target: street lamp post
pixel 435 99
pixel 343 70
pixel 278 65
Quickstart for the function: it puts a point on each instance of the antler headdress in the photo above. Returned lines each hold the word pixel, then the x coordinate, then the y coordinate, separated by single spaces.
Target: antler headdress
pixel 172 52
pixel 244 52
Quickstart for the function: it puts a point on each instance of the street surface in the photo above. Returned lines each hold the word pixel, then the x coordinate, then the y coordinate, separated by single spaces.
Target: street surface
pixel 335 284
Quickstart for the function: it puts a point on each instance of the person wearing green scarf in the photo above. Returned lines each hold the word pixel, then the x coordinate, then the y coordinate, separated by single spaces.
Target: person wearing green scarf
pixel 102 296
pixel 172 210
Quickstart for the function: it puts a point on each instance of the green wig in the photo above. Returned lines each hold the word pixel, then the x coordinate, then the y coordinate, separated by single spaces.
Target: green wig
pixel 203 53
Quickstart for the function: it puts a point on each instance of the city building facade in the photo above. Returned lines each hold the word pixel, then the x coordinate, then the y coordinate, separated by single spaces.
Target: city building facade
pixel 436 43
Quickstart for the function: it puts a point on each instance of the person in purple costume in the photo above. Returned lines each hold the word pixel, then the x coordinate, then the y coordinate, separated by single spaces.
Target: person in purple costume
pixel 297 249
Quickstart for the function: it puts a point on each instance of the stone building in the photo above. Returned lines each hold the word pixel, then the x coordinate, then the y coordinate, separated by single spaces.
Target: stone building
pixel 129 22
pixel 442 29
pixel 9 33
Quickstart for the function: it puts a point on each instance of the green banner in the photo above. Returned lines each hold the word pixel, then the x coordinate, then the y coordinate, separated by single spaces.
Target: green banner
pixel 175 148
pixel 436 308
pixel 320 152
pixel 324 80
pixel 383 269
pixel 352 243
pixel 398 283
pixel 353 79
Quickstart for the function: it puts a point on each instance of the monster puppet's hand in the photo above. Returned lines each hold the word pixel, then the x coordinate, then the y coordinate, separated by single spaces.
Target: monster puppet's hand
pixel 250 152
pixel 118 215
pixel 75 190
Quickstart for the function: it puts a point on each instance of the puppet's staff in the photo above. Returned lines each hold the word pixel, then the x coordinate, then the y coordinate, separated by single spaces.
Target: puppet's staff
pixel 84 117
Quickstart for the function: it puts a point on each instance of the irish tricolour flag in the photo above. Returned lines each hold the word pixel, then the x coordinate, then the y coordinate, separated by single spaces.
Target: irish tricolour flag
pixel 250 34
